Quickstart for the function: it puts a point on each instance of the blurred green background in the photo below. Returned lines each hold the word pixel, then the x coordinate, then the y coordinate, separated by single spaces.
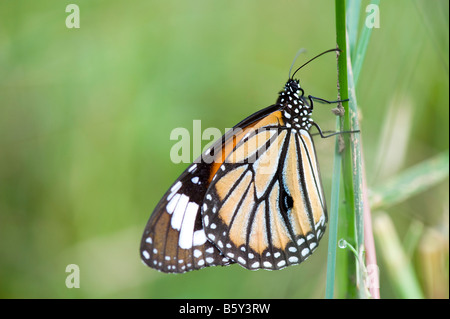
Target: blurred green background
pixel 86 115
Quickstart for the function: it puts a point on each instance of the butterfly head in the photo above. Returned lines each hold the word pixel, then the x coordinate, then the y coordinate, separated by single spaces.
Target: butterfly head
pixel 293 86
pixel 291 92
pixel 296 112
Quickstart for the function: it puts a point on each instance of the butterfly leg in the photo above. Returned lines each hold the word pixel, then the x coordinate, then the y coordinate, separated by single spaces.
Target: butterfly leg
pixel 318 99
pixel 314 134
pixel 332 134
pixel 321 132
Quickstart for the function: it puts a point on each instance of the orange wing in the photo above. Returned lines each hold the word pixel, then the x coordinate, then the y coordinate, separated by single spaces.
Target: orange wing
pixel 265 206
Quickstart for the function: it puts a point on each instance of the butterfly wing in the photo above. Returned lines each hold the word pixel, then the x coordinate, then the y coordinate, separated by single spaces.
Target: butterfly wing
pixel 174 240
pixel 265 206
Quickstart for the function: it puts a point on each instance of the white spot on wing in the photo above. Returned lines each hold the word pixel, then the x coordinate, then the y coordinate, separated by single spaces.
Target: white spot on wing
pixel 199 237
pixel 187 228
pixel 293 259
pixel 179 212
pixel 305 252
pixel 173 202
pixel 176 187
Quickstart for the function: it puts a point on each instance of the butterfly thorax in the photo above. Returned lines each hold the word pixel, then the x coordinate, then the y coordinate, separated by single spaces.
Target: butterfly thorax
pixel 296 111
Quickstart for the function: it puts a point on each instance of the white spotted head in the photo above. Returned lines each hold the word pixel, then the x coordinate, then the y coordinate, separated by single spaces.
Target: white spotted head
pixel 296 111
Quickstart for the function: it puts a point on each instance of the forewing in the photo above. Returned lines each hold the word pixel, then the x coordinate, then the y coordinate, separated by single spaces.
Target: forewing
pixel 174 240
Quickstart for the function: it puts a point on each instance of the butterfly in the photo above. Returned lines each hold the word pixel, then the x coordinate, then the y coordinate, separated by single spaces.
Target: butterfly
pixel 254 197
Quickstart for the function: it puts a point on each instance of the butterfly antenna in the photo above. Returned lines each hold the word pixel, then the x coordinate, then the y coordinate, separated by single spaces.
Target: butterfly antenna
pixel 295 59
pixel 332 50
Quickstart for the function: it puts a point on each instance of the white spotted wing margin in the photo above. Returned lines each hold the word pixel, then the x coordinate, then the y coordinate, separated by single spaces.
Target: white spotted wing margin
pixel 174 240
pixel 271 218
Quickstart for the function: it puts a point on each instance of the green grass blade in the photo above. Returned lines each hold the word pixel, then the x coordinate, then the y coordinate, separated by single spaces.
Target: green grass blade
pixel 353 227
pixel 347 287
pixel 334 219
pixel 411 182
pixel 400 270
pixel 360 52
pixel 353 9
pixel 357 174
